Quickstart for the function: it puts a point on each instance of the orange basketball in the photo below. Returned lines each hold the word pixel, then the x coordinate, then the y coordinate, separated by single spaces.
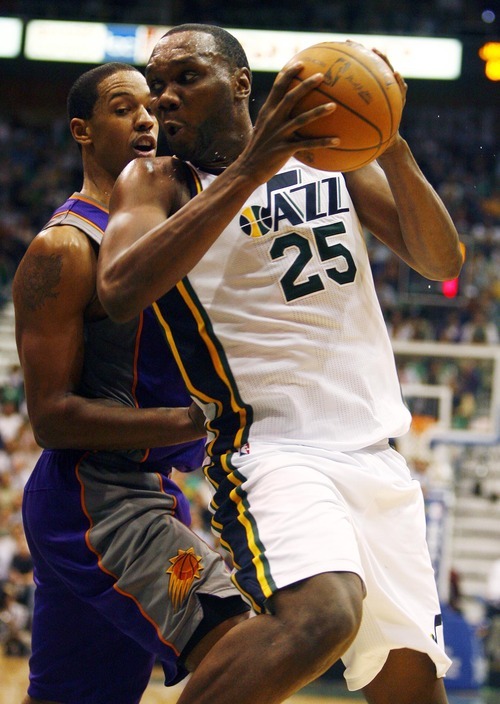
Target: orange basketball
pixel 368 98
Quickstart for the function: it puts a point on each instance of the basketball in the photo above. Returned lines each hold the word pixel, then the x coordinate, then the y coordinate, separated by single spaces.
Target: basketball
pixel 368 98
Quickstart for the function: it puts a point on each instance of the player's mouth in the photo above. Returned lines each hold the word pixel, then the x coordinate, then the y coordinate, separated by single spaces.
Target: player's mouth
pixel 145 145
pixel 171 129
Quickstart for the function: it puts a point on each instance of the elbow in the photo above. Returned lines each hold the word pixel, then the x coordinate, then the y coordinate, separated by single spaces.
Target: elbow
pixel 451 268
pixel 445 269
pixel 45 434
pixel 51 421
pixel 116 310
pixel 117 305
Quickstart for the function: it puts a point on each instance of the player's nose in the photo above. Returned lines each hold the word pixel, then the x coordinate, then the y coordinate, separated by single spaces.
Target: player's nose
pixel 145 120
pixel 169 98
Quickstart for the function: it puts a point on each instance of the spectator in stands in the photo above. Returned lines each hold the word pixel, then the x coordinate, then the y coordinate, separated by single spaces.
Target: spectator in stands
pixel 5 461
pixel 21 571
pixel 7 543
pixel 11 420
pixel 481 330
pixel 451 330
pixel 14 624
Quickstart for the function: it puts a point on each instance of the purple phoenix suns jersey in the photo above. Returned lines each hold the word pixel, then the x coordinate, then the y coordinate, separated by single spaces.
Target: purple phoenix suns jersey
pixel 131 362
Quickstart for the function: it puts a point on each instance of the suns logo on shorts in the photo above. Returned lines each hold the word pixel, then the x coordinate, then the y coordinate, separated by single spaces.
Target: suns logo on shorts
pixel 185 568
pixel 256 221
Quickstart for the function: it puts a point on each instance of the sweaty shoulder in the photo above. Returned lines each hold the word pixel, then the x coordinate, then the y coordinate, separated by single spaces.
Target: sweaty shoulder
pixel 62 241
pixel 58 258
pixel 163 180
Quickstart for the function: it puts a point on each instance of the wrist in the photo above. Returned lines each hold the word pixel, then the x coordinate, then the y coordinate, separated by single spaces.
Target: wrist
pixel 397 146
pixel 197 419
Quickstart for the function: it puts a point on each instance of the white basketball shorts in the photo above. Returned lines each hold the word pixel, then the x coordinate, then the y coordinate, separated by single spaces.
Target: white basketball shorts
pixel 306 511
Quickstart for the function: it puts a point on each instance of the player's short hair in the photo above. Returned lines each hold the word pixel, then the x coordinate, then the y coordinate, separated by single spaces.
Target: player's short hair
pixel 84 92
pixel 227 44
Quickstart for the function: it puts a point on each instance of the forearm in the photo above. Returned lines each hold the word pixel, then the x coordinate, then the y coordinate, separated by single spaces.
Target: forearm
pixel 427 229
pixel 94 424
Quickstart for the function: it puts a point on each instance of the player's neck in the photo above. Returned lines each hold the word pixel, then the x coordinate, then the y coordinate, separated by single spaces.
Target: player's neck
pixel 97 188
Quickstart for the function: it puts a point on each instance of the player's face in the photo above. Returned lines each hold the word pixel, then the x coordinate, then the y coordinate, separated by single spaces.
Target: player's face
pixel 123 126
pixel 192 96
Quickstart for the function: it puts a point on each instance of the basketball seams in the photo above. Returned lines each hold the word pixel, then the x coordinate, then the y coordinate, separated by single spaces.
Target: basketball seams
pixel 380 86
pixel 372 73
pixel 368 98
pixel 358 115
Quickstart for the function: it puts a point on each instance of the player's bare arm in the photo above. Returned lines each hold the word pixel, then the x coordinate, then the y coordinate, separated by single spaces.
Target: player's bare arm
pixel 398 205
pixel 53 292
pixel 151 239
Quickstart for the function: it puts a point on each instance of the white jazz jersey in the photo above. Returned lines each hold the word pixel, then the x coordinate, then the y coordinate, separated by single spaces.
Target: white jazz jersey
pixel 278 329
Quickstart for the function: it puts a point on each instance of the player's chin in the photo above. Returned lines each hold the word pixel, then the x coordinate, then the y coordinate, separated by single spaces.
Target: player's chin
pixel 181 148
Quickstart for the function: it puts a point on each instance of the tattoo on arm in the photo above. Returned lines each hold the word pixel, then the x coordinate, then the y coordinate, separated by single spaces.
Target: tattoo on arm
pixel 40 276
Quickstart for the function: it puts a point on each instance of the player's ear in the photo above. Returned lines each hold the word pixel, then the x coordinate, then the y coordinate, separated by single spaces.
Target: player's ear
pixel 242 82
pixel 80 130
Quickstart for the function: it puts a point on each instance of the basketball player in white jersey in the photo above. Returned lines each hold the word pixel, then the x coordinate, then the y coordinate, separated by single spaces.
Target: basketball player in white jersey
pixel 260 280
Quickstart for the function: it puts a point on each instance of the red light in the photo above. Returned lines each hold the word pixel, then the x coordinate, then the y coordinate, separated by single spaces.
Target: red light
pixel 450 288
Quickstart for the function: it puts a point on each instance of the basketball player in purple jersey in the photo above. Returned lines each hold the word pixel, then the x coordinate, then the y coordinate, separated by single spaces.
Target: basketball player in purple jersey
pixel 121 581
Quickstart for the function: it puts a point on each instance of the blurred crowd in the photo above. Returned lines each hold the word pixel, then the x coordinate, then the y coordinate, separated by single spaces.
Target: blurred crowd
pixel 18 453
